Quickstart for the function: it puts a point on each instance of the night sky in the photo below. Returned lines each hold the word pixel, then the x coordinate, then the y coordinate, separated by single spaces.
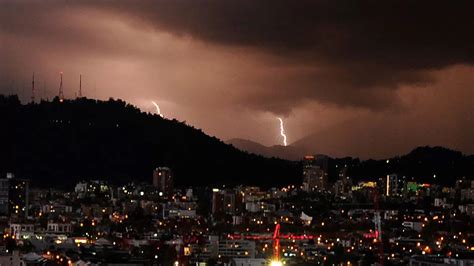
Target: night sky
pixel 362 78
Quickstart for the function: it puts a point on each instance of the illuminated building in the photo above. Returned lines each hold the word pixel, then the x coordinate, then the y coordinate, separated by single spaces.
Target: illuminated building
pixel 248 262
pixel 22 230
pixel 392 185
pixel 315 173
pixel 365 185
pixel 163 180
pixel 93 188
pixel 343 185
pixel 59 227
pixel 460 259
pixel 223 201
pixel 14 196
pixel 259 206
pixel 236 248
pixel 412 187
pixel 417 226
pixel 467 194
pixel 183 210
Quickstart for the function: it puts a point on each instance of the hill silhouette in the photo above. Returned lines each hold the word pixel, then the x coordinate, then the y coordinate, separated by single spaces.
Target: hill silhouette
pixel 57 143
pixel 423 164
pixel 277 151
pixel 426 164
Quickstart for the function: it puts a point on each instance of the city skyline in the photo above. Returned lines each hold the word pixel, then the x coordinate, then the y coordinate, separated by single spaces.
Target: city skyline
pixel 378 79
pixel 236 132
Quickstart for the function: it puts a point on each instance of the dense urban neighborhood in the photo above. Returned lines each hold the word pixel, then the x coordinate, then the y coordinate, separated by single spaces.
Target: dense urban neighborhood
pixel 392 220
pixel 236 133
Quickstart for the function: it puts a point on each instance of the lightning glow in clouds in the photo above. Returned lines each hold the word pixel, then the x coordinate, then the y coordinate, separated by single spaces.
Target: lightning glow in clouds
pixel 282 131
pixel 158 111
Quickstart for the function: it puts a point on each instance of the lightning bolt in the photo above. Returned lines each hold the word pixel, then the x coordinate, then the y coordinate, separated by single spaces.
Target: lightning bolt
pixel 158 111
pixel 282 131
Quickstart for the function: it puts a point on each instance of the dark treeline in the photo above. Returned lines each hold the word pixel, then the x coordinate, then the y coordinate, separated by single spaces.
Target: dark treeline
pixel 59 143
pixel 424 164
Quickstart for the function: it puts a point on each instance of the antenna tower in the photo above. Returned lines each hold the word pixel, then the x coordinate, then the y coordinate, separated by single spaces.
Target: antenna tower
pixel 80 86
pixel 61 93
pixel 33 88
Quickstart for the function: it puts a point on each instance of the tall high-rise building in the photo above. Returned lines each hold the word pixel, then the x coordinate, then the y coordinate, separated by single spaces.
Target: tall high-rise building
pixel 392 185
pixel 223 201
pixel 163 180
pixel 343 185
pixel 315 173
pixel 14 196
pixel 322 161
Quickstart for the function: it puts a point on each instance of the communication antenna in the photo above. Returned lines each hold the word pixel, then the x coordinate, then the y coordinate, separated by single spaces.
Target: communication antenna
pixel 33 88
pixel 61 93
pixel 44 90
pixel 80 86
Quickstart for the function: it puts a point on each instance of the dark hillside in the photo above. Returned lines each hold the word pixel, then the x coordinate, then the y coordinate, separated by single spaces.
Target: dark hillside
pixel 57 144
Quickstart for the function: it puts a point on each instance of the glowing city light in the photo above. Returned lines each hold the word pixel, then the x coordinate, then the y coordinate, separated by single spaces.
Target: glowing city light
pixel 276 263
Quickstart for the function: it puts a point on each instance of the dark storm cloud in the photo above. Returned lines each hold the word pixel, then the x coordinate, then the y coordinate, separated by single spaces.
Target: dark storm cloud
pixel 348 48
pixel 370 47
pixel 413 34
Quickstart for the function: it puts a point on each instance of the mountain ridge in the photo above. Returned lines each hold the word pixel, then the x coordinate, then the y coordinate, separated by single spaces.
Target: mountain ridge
pixel 277 151
pixel 431 164
pixel 56 144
